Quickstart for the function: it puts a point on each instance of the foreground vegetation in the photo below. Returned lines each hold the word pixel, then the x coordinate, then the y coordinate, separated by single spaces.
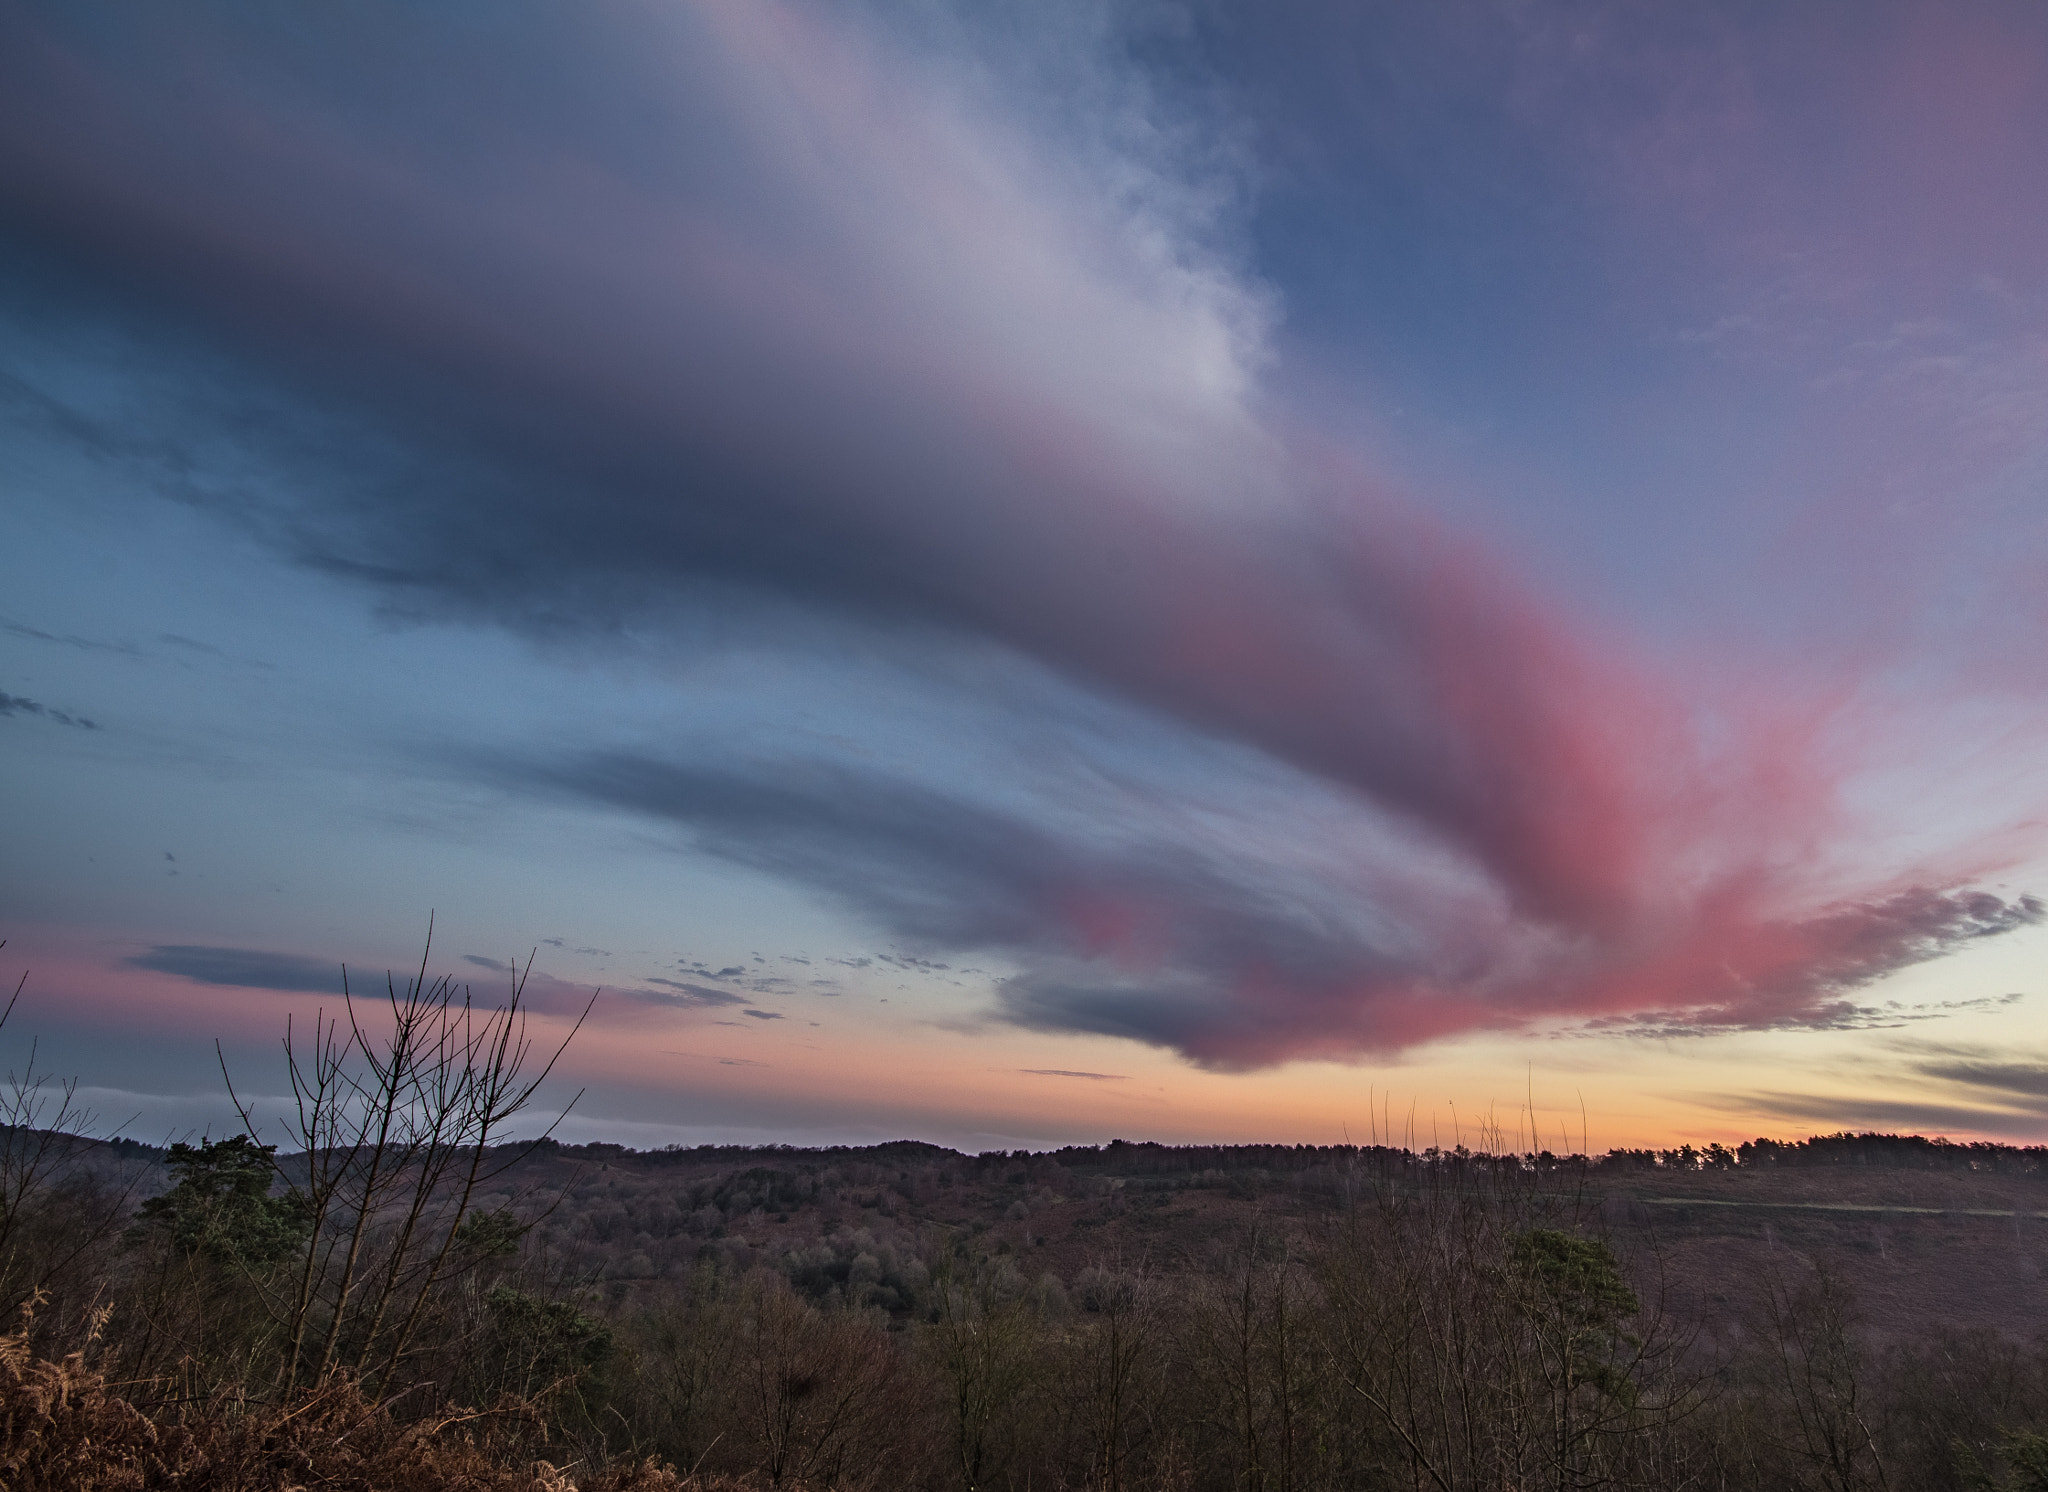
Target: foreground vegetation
pixel 403 1300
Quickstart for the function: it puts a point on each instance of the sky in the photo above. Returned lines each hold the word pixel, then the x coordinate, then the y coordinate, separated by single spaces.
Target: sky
pixel 1015 575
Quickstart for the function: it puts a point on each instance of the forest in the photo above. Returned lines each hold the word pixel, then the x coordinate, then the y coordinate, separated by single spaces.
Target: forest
pixel 398 1295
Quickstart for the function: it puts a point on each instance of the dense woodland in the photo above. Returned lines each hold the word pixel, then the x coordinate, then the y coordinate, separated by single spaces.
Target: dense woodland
pixel 395 1296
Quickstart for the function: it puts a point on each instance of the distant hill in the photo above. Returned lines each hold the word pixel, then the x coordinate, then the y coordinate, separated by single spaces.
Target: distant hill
pixel 1932 1232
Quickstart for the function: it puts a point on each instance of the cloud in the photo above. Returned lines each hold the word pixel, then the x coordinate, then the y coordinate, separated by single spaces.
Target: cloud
pixel 255 968
pixel 2017 1082
pixel 548 994
pixel 682 993
pixel 1133 522
pixel 764 1015
pixel 190 645
pixel 1931 1087
pixel 1061 1072
pixel 1236 959
pixel 1776 974
pixel 87 644
pixel 1919 1116
pixel 15 704
pixel 246 968
pixel 2013 1079
pixel 946 342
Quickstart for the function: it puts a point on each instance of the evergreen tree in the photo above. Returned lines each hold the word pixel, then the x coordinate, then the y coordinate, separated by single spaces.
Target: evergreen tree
pixel 221 1207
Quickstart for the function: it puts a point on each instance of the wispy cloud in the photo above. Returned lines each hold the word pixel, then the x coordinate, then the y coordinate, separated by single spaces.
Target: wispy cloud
pixel 1875 1111
pixel 66 639
pixel 246 968
pixel 15 704
pixel 1169 942
pixel 682 992
pixel 2017 1082
pixel 1927 1085
pixel 208 650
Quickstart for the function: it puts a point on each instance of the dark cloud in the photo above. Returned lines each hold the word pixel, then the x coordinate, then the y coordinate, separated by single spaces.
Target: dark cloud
pixel 15 704
pixel 247 968
pixel 678 992
pixel 764 1015
pixel 1228 961
pixel 1934 1087
pixel 1061 1072
pixel 1923 1116
pixel 1858 944
pixel 255 968
pixel 2017 1081
pixel 944 872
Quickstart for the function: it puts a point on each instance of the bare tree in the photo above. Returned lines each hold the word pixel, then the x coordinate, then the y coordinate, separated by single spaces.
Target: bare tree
pixel 399 1129
pixel 54 1213
pixel 1112 1357
pixel 685 1365
pixel 1491 1338
pixel 822 1390
pixel 1248 1345
pixel 985 1339
pixel 1820 1369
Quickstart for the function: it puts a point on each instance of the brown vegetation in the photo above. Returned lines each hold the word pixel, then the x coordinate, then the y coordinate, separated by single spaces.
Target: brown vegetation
pixel 403 1302
pixel 63 1430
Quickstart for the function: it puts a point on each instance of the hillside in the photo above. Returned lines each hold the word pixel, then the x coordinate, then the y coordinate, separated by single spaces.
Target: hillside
pixel 1930 1234
pixel 1847 1312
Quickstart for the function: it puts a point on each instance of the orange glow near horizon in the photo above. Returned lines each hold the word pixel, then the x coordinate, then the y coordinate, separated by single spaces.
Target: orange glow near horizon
pixel 652 1076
